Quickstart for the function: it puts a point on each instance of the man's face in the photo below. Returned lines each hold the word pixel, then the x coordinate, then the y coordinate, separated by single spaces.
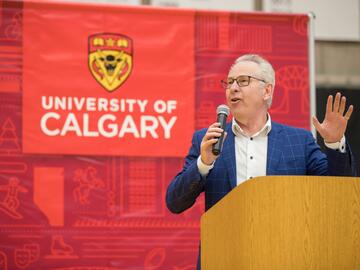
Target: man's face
pixel 246 101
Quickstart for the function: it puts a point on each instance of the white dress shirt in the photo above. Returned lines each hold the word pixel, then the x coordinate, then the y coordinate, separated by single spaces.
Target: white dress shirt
pixel 251 152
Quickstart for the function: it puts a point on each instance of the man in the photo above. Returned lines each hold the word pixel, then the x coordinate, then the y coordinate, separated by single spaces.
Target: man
pixel 256 146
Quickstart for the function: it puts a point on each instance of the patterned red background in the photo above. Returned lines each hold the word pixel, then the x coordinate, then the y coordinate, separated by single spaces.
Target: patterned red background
pixel 108 212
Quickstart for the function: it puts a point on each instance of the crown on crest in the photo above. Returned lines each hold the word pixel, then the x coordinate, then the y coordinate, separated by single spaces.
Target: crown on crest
pixel 121 42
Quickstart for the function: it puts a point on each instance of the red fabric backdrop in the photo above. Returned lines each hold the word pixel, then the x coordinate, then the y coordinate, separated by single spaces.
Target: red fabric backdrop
pixel 92 196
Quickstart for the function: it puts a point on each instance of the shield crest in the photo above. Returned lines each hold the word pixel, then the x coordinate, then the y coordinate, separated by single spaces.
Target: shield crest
pixel 22 258
pixel 34 250
pixel 110 59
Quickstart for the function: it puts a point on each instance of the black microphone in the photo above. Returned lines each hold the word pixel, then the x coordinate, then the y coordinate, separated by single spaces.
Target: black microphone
pixel 222 112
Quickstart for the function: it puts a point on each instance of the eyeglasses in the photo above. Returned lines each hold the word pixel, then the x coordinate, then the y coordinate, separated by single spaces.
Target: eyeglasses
pixel 242 80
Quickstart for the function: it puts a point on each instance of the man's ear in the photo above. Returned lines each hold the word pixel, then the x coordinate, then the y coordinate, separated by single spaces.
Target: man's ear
pixel 268 91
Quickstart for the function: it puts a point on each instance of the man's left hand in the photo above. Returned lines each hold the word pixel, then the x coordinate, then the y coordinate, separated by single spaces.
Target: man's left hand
pixel 332 129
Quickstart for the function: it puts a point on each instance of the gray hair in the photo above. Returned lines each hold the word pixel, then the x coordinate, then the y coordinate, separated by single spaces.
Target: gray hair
pixel 266 69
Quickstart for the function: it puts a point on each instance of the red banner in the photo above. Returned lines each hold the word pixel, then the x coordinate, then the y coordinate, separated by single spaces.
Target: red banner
pixel 108 81
pixel 123 86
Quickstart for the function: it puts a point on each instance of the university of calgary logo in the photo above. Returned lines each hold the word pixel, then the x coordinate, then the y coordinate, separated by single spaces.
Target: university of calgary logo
pixel 110 59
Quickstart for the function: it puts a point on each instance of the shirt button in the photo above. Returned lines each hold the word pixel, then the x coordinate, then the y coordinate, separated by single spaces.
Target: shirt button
pixel 251 138
pixel 251 157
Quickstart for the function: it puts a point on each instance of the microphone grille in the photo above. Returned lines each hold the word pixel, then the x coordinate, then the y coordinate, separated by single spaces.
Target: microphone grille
pixel 223 109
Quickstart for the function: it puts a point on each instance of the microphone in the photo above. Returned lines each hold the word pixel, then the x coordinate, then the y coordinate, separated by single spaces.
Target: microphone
pixel 222 112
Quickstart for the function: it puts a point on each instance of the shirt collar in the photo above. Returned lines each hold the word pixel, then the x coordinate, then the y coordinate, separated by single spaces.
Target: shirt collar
pixel 238 131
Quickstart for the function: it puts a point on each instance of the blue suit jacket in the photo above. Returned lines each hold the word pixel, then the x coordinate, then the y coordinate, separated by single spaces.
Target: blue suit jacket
pixel 291 151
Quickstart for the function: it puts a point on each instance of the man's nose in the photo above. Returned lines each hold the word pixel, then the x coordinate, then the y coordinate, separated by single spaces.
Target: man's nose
pixel 234 86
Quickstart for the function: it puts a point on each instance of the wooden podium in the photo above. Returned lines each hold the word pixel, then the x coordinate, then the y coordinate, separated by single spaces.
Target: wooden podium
pixel 284 222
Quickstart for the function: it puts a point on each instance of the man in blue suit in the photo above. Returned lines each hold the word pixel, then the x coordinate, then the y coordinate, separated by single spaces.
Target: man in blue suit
pixel 255 145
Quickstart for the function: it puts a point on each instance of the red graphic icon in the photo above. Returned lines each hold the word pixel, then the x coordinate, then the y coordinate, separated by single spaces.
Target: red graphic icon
pixel 3 261
pixel 294 80
pixel 14 30
pixel 88 180
pixel 60 248
pixel 300 25
pixel 9 142
pixel 154 259
pixel 26 255
pixel 11 203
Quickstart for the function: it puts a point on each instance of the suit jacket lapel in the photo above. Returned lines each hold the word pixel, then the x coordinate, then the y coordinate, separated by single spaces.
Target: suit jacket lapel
pixel 228 155
pixel 274 152
pixel 275 144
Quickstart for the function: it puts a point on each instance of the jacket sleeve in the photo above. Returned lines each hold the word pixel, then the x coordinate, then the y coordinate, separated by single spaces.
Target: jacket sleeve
pixel 183 190
pixel 341 164
pixel 331 162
